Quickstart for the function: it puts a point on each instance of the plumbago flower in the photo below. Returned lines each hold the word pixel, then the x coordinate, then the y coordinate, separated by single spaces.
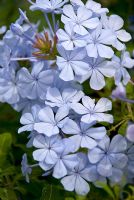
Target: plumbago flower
pixel 29 119
pixel 56 99
pixel 48 6
pixel 35 83
pixel 77 177
pixel 108 155
pixel 130 132
pixel 64 161
pixel 91 112
pixel 91 5
pixel 69 39
pixel 80 21
pixel 130 166
pixel 71 63
pixel 50 124
pixel 83 135
pixel 98 69
pixel 121 73
pixel 9 91
pixel 42 75
pixel 120 93
pixel 98 41
pixel 26 169
pixel 115 23
pixel 47 148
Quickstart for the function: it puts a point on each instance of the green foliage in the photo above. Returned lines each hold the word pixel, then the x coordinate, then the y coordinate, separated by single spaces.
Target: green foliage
pixel 5 145
pixel 107 189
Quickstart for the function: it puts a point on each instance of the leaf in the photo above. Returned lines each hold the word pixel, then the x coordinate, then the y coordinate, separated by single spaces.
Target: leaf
pixel 117 191
pixel 106 188
pixel 5 145
pixel 130 91
pixel 132 188
pixel 80 197
pixel 11 195
pixel 3 194
pixel 50 192
pixel 10 170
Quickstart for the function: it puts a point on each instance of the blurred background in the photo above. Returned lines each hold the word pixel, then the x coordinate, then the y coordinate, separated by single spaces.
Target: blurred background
pixel 9 11
pixel 9 8
pixel 12 146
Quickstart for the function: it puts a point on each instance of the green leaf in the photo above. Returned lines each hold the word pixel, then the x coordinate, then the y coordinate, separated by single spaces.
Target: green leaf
pixel 80 197
pixel 12 195
pixel 106 188
pixel 10 170
pixel 50 192
pixel 3 194
pixel 130 91
pixel 132 188
pixel 117 191
pixel 69 198
pixel 5 145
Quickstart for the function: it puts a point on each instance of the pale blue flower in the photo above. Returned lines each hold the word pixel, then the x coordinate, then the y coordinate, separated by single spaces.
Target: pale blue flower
pixel 121 73
pixel 47 148
pixel 130 132
pixel 23 17
pixel 115 23
pixel 29 119
pixel 5 55
pixel 64 162
pixel 9 87
pixel 17 29
pixel 62 121
pixel 3 29
pixel 99 42
pixel 84 135
pixel 108 155
pixel 68 39
pixel 23 31
pixel 71 63
pixel 48 123
pixel 116 176
pixel 81 21
pixel 26 169
pixel 95 177
pixel 129 169
pixel 91 112
pixel 35 83
pixel 91 5
pixel 98 69
pixel 119 92
pixel 25 105
pixel 76 178
pixel 20 47
pixel 48 6
pixel 31 137
pixel 55 98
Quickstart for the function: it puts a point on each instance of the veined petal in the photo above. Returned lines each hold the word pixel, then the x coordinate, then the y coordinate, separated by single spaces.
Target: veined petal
pixel 97 81
pixel 105 51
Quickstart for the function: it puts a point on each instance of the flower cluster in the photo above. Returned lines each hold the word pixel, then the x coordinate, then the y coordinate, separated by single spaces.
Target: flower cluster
pixel 41 75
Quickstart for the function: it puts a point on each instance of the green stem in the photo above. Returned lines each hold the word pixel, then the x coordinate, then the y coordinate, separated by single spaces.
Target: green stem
pixel 130 111
pixel 117 125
